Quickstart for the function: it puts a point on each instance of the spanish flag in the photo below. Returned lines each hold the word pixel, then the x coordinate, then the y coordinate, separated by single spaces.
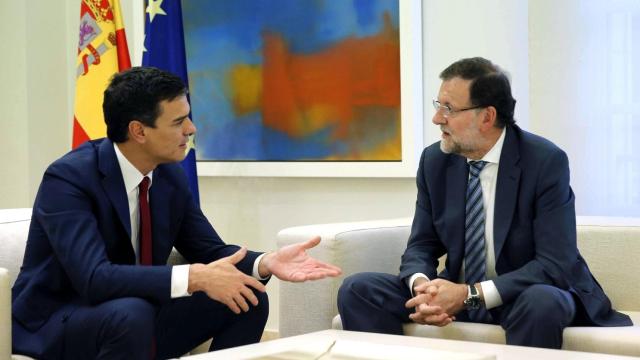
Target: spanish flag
pixel 102 51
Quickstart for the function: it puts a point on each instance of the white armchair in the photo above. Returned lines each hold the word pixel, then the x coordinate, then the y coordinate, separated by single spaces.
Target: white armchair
pixel 14 228
pixel 610 250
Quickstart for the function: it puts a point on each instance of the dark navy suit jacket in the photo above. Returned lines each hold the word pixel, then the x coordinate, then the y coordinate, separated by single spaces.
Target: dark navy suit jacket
pixel 79 249
pixel 534 224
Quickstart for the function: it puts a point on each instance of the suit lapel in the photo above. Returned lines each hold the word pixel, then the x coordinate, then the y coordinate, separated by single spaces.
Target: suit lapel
pixel 456 185
pixel 113 183
pixel 506 189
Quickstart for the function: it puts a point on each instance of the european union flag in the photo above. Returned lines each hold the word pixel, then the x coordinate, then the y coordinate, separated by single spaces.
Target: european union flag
pixel 164 49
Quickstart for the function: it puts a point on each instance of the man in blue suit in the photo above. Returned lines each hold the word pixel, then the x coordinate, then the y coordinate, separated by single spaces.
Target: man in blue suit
pixel 496 200
pixel 94 282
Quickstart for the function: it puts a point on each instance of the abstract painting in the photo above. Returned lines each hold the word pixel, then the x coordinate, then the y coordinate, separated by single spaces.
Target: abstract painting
pixel 295 80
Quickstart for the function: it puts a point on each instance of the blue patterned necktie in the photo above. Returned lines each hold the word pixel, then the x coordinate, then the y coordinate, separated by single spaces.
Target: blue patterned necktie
pixel 474 251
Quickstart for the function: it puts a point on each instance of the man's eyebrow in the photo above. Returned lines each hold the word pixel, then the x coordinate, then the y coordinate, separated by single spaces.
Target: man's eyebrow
pixel 180 119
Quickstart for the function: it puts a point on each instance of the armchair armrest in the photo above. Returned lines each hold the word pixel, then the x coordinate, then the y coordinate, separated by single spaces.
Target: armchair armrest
pixel 175 258
pixel 5 315
pixel 355 247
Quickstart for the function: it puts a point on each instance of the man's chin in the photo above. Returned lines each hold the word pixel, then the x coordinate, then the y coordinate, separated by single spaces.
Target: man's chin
pixel 445 147
pixel 449 147
pixel 178 158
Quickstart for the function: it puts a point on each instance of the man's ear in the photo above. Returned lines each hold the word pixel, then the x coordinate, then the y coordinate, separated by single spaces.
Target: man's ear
pixel 136 131
pixel 490 117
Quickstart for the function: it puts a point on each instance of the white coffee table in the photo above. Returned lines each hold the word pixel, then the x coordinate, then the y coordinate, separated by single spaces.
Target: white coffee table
pixel 338 344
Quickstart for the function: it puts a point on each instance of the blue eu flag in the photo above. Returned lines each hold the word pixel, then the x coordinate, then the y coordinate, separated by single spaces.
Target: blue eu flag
pixel 164 49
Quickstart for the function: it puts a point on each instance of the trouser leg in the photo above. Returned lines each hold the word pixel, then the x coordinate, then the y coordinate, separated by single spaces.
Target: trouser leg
pixel 116 329
pixel 373 302
pixel 538 317
pixel 133 328
pixel 189 321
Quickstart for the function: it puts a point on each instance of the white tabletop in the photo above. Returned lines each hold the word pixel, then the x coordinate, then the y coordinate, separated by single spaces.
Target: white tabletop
pixel 358 345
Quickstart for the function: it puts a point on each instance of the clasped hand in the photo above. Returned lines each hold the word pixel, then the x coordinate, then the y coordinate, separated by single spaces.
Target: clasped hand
pixel 223 282
pixel 436 302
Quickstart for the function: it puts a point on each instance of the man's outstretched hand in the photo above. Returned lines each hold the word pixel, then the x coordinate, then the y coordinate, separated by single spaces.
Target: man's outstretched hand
pixel 292 263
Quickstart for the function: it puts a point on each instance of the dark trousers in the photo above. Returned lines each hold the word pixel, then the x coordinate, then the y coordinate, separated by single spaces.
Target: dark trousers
pixel 133 328
pixel 374 302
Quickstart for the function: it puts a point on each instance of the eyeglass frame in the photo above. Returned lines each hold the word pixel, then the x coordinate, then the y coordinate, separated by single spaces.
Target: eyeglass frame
pixel 448 111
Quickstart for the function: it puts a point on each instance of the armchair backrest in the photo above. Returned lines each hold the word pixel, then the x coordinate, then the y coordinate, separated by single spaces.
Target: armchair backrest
pixel 611 250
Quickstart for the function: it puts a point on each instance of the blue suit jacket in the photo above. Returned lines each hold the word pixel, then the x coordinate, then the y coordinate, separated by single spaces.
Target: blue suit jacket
pixel 534 224
pixel 79 249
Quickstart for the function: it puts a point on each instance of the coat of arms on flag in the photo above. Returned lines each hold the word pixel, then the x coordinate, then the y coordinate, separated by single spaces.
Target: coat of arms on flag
pixel 102 51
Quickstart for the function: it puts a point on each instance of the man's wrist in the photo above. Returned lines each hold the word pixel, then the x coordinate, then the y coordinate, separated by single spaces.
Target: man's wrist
pixel 478 287
pixel 263 265
pixel 473 299
pixel 411 281
pixel 193 283
pixel 418 281
pixel 464 293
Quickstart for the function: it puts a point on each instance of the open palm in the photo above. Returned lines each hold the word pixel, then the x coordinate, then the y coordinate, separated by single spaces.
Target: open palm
pixel 292 263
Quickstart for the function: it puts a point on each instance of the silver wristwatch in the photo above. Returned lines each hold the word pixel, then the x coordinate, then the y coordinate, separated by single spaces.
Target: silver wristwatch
pixel 473 301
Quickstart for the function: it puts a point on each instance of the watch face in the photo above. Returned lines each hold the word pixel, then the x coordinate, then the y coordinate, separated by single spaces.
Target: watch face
pixel 472 303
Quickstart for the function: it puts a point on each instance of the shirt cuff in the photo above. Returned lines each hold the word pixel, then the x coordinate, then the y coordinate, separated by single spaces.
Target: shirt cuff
pixel 179 281
pixel 256 272
pixel 491 295
pixel 413 278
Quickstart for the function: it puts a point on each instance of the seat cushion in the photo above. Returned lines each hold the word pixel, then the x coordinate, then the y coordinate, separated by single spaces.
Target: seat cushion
pixel 21 357
pixel 623 340
pixel 609 340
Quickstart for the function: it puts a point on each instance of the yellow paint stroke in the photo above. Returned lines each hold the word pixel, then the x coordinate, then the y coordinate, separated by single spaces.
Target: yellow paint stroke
pixel 245 84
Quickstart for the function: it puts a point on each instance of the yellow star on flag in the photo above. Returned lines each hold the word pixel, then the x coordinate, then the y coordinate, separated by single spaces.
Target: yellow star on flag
pixel 155 8
pixel 191 144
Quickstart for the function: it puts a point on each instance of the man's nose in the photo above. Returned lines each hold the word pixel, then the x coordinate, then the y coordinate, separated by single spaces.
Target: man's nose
pixel 190 127
pixel 438 119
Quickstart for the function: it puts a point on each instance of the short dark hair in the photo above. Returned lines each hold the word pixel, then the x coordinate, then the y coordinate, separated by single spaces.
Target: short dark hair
pixel 489 86
pixel 135 94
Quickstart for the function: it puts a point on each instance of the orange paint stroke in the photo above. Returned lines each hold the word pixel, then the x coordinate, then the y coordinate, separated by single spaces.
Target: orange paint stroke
pixel 304 93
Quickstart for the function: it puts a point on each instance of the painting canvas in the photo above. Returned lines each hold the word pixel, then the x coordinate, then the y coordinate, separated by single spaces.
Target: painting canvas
pixel 295 80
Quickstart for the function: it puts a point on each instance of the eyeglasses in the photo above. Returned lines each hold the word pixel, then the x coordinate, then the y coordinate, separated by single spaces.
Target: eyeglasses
pixel 447 111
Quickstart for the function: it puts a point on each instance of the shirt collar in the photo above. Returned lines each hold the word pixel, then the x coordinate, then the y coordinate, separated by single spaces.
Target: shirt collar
pixel 493 156
pixel 131 176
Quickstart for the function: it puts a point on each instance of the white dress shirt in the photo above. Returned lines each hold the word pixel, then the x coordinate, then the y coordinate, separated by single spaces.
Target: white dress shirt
pixel 488 179
pixel 132 178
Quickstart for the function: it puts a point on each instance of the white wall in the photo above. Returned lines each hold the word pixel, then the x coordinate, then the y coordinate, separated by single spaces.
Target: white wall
pixel 31 88
pixel 584 91
pixel 494 29
pixel 539 42
pixel 14 178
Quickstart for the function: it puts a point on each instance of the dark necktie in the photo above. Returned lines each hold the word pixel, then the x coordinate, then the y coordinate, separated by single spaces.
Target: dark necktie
pixel 145 223
pixel 145 235
pixel 474 252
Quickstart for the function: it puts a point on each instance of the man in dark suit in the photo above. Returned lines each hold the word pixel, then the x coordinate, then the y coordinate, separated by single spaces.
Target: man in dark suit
pixel 496 200
pixel 94 282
